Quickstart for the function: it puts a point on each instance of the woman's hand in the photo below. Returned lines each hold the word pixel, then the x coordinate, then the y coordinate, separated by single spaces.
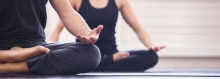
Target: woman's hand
pixel 157 48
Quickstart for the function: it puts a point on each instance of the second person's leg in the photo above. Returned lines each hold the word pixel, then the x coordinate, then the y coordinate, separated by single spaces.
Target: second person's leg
pixel 138 61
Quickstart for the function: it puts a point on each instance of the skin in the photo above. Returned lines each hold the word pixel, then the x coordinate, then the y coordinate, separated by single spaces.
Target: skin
pixel 125 8
pixel 12 61
pixel 18 54
pixel 74 23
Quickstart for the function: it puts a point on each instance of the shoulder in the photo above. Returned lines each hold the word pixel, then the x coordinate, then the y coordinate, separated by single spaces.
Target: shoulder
pixel 75 3
pixel 121 3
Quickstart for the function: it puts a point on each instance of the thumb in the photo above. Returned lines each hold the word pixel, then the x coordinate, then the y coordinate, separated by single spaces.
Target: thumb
pixel 99 28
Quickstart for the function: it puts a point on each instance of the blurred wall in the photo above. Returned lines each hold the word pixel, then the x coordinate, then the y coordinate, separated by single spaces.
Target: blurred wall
pixel 188 28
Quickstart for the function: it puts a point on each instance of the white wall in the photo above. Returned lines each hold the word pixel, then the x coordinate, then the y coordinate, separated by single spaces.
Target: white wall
pixel 187 27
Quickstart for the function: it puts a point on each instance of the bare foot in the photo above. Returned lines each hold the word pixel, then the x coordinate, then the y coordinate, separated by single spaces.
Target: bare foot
pixel 120 55
pixel 16 48
pixel 37 48
pixel 18 54
pixel 41 48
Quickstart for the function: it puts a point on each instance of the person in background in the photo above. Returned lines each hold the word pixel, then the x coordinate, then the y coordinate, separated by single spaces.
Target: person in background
pixel 105 12
pixel 22 24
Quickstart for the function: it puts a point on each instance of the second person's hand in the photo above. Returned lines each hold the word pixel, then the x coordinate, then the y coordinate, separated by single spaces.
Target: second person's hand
pixel 157 48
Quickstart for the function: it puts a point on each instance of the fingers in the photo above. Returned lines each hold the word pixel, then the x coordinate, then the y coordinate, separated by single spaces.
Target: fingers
pixel 161 47
pixel 84 39
pixel 92 37
pixel 157 48
pixel 99 29
pixel 96 31
pixel 78 36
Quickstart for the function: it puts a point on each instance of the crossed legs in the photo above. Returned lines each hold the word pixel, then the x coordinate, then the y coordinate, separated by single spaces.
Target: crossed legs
pixel 133 61
pixel 13 60
pixel 63 59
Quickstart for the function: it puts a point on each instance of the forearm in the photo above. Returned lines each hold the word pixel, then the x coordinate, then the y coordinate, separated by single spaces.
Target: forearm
pixel 54 37
pixel 56 32
pixel 75 24
pixel 70 18
pixel 145 38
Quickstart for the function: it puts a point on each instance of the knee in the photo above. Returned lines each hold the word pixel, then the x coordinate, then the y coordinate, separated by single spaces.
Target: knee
pixel 152 58
pixel 88 52
pixel 90 59
pixel 93 57
pixel 149 59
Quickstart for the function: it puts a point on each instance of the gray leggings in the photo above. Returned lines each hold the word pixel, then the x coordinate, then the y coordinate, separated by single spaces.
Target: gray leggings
pixel 65 59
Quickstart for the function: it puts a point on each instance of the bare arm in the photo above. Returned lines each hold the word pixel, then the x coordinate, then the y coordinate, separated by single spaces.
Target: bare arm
pixel 56 32
pixel 130 18
pixel 58 28
pixel 74 23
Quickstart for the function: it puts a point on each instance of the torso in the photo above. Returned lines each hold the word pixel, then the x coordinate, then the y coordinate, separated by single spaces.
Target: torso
pixel 22 21
pixel 77 3
pixel 104 14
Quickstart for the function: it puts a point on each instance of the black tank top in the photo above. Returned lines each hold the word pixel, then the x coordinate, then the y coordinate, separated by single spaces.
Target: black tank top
pixel 106 16
pixel 22 22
